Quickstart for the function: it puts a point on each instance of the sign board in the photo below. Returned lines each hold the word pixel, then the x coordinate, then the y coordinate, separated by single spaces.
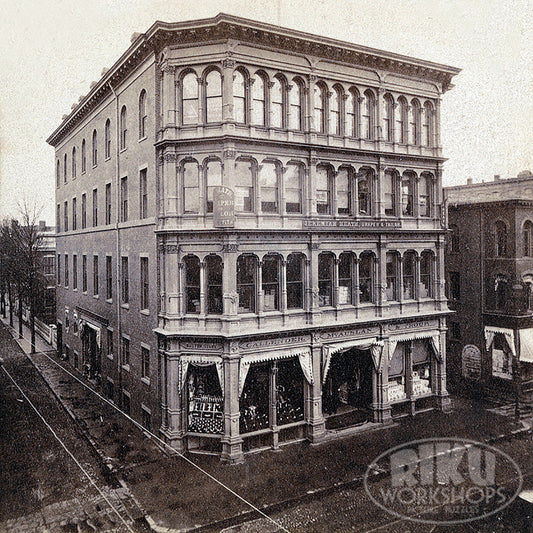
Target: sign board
pixel 350 223
pixel 471 358
pixel 223 207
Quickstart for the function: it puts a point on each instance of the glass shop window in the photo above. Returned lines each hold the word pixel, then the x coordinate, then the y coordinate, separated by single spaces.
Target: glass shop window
pixel 205 402
pixel 421 367
pixel 290 392
pixel 254 399
pixel 397 374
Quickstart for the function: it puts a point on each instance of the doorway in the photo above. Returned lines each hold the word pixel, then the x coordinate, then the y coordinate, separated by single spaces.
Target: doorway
pixel 91 353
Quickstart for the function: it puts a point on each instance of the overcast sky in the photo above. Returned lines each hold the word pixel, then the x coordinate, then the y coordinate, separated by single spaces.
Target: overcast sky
pixel 52 50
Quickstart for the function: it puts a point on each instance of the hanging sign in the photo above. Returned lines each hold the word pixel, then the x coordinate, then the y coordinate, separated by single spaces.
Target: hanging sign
pixel 223 207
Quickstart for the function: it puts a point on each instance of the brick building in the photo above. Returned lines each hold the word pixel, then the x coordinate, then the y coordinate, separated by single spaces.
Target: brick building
pixel 251 234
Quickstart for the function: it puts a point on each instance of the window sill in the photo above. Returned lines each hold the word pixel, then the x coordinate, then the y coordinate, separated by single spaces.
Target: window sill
pixel 126 368
pixel 145 312
pixel 96 296
pixel 125 306
pixel 109 300
pixel 74 290
pixel 110 356
pixel 108 158
pixel 94 166
pixel 122 150
pixel 146 381
pixel 142 139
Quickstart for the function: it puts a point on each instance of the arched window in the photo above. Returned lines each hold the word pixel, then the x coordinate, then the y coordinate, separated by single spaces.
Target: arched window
pixel 325 279
pixel 95 149
pixel 192 284
pixel 414 122
pixel 83 156
pixel 425 187
pixel 323 190
pixel 344 192
pixel 366 277
pixel 271 273
pixel 320 106
pixel 58 174
pixel 409 259
pixel 295 281
pixel 239 97
pixel 191 187
pixel 258 101
pixel 293 188
pixel 427 125
pixel 364 192
pixel 142 114
pixel 392 287
pixel 367 118
pixel 214 179
pixel 74 170
pixel 346 268
pixel 528 238
pixel 408 194
pixel 388 118
pixel 296 105
pixel 244 191
pixel 65 168
pixel 401 120
pixel 389 193
pixel 453 239
pixel 213 96
pixel 500 233
pixel 277 103
pixel 189 99
pixel 107 139
pixel 335 107
pixel 123 128
pixel 352 114
pixel 268 184
pixel 214 266
pixel 246 282
pixel 426 274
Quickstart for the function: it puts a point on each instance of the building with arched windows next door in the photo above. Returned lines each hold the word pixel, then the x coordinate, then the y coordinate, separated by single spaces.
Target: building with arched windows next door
pixel 260 253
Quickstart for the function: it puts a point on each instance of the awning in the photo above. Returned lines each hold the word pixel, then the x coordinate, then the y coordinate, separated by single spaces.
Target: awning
pixel 508 334
pixel 201 360
pixel 433 335
pixel 303 354
pixel 526 345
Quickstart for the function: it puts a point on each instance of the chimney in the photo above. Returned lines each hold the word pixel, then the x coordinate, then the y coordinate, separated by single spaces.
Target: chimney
pixel 469 181
pixel 496 177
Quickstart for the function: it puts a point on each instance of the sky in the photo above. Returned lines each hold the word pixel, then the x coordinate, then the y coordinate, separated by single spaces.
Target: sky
pixel 52 50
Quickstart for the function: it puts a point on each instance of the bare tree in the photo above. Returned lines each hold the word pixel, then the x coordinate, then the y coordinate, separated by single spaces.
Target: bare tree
pixel 8 267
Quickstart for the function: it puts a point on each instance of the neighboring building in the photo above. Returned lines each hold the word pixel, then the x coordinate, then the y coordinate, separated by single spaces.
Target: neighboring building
pixel 48 252
pixel 251 234
pixel 489 264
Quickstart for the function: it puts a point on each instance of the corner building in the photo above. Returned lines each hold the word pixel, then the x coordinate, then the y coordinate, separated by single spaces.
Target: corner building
pixel 263 211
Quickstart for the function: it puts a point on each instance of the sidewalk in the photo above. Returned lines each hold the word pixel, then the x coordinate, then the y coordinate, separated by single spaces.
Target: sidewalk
pixel 178 496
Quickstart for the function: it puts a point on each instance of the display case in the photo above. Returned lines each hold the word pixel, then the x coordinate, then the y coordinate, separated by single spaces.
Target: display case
pixel 206 415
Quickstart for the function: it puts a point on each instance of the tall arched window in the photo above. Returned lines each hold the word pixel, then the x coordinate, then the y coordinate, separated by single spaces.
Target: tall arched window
pixel 426 274
pixel 83 156
pixel 58 174
pixel 189 99
pixel 295 281
pixel 425 186
pixel 401 120
pixel 192 284
pixel 191 187
pixel 296 105
pixel 389 193
pixel 408 194
pixel 268 185
pixel 414 122
pixel 277 103
pixel 320 106
pixel 527 234
pixel 95 149
pixel 239 97
pixel 326 261
pixel 214 266
pixel 368 116
pixel 344 193
pixel 293 188
pixel 246 282
pixel 142 114
pixel 366 277
pixel 323 190
pixel 213 171
pixel 74 170
pixel 500 233
pixel 409 278
pixel 335 107
pixel 107 139
pixel 271 282
pixel 392 276
pixel 123 128
pixel 388 118
pixel 244 191
pixel 352 113
pixel 427 125
pixel 65 168
pixel 258 101
pixel 346 267
pixel 364 192
pixel 213 96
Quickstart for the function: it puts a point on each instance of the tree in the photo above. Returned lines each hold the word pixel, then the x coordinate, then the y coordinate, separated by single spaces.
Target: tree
pixel 8 266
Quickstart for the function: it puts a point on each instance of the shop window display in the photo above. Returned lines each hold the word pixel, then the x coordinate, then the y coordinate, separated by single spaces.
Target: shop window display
pixel 290 392
pixel 206 412
pixel 397 374
pixel 421 368
pixel 254 399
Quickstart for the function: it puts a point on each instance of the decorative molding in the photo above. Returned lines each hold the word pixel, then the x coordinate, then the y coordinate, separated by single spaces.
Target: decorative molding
pixel 228 63
pixel 230 247
pixel 229 154
pixel 171 248
pixel 168 158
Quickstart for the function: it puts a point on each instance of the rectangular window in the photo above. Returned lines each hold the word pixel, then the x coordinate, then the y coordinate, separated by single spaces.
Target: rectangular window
pixel 108 203
pixel 84 273
pixel 125 281
pixel 74 214
pixel 58 218
pixel 124 199
pixel 109 343
pixel 392 277
pixel 66 270
pixel 146 419
pixel 389 196
pixel 143 194
pixel 144 283
pixel 95 207
pixel 145 362
pixel 110 389
pixel 294 282
pixel 65 215
pixel 126 403
pixel 75 272
pixel 109 277
pixel 323 195
pixel 48 265
pixel 293 189
pixel 325 280
pixel 344 197
pixel 271 283
pixel 58 269
pixel 345 278
pixel 83 211
pixel 244 191
pixel 455 285
pixel 95 275
pixel 125 352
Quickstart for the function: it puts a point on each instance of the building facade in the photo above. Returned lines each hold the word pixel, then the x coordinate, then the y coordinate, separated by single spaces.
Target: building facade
pixel 489 268
pixel 252 234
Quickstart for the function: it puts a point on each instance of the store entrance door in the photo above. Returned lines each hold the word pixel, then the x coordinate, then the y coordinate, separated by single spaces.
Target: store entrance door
pixel 91 355
pixel 347 392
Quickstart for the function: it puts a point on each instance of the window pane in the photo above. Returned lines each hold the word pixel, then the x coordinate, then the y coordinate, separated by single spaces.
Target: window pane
pixel 325 280
pixel 295 281
pixel 365 278
pixel 192 285
pixel 244 191
pixel 214 285
pixel 246 268
pixel 343 192
pixel 191 188
pixel 293 193
pixel 214 179
pixel 270 283
pixel 258 101
pixel 268 181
